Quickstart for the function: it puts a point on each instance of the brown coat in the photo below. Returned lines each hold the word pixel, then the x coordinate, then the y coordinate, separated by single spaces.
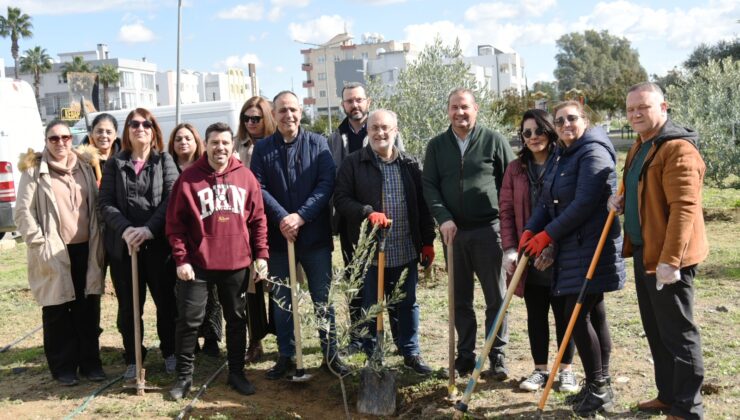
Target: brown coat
pixel 37 218
pixel 669 205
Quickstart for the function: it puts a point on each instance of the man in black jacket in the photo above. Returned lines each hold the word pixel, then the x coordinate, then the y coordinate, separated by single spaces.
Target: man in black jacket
pixel 380 183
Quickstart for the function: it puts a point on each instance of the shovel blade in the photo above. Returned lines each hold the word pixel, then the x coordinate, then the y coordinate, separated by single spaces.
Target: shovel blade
pixel 377 394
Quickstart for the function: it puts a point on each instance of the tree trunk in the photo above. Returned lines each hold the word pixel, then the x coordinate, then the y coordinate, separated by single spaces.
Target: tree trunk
pixel 14 52
pixel 105 97
pixel 36 88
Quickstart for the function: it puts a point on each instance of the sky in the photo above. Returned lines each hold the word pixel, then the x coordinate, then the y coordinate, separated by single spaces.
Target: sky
pixel 218 34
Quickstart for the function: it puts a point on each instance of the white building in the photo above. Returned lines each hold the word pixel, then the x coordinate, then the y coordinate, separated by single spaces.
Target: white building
pixel 206 87
pixel 388 65
pixel 189 87
pixel 498 70
pixel 136 87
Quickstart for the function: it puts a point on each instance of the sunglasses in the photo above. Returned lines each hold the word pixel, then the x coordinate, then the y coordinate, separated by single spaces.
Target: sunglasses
pixel 136 124
pixel 254 120
pixel 63 138
pixel 559 122
pixel 537 132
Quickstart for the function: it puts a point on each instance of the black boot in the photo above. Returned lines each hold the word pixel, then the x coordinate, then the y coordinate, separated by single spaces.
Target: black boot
pixel 210 348
pixel 285 366
pixel 181 388
pixel 240 383
pixel 597 399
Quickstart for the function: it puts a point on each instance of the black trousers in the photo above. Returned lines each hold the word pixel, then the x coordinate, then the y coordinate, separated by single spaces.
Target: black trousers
pixel 258 323
pixel 191 308
pixel 591 335
pixel 674 340
pixel 478 252
pixel 72 329
pixel 355 305
pixel 539 300
pixel 211 328
pixel 157 274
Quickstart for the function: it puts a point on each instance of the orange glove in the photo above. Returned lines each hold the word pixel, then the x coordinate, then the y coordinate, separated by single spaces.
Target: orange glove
pixel 427 255
pixel 537 244
pixel 378 219
pixel 526 236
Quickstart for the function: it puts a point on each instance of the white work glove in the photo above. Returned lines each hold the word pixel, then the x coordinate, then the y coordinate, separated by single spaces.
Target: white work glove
pixel 185 272
pixel 546 258
pixel 666 274
pixel 509 260
pixel 616 203
pixel 260 268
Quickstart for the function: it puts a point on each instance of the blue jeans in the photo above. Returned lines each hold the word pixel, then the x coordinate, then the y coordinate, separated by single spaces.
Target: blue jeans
pixel 317 266
pixel 405 314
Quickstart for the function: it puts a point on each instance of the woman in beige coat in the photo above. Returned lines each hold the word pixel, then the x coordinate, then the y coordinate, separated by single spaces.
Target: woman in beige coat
pixel 56 214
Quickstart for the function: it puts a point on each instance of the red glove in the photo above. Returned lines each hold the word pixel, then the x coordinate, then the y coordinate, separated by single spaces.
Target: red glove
pixel 538 243
pixel 526 236
pixel 378 219
pixel 427 255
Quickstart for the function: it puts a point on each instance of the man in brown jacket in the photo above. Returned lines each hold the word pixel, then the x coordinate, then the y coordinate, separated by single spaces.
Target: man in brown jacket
pixel 664 232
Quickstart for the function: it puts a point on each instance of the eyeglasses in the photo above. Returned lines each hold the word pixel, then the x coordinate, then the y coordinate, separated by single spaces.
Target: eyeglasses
pixel 136 124
pixel 559 122
pixel 355 101
pixel 253 119
pixel 63 138
pixel 537 132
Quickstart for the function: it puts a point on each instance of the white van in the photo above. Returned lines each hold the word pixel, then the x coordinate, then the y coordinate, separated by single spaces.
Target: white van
pixel 20 129
pixel 200 115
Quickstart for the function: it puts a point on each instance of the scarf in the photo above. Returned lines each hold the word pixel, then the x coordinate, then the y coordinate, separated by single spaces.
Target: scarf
pixel 66 171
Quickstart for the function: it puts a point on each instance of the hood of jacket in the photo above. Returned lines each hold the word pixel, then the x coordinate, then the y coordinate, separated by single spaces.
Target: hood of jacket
pixel 87 153
pixel 593 135
pixel 671 131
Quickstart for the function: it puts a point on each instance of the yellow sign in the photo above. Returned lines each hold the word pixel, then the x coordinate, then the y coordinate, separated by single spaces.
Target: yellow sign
pixel 69 114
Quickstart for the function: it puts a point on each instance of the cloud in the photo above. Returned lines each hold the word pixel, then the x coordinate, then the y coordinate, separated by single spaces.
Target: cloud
pixel 135 33
pixel 319 30
pixel 248 11
pixel 502 11
pixel 279 69
pixel 382 2
pixel 66 7
pixel 423 34
pixel 276 11
pixel 260 37
pixel 236 61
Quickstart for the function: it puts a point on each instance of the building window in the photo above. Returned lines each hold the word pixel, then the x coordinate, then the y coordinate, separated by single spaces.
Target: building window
pixel 322 76
pixel 321 59
pixel 322 94
pixel 127 80
pixel 128 99
pixel 147 81
pixel 337 58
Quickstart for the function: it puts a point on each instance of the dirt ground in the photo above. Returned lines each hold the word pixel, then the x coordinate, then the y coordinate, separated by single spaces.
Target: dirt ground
pixel 27 390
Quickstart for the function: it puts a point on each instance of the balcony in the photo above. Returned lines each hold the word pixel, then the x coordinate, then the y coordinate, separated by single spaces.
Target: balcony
pixel 308 84
pixel 306 51
pixel 307 67
pixel 309 101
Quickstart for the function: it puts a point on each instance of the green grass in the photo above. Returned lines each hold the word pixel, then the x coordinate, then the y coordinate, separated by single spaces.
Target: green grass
pixel 721 198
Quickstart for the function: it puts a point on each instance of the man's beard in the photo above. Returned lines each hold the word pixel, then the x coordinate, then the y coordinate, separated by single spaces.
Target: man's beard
pixel 354 115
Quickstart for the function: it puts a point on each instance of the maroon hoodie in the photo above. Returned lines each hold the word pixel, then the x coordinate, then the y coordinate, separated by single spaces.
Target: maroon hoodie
pixel 216 221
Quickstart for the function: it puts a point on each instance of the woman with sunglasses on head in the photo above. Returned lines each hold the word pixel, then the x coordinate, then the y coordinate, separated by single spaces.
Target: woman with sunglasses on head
pixel 56 213
pixel 133 201
pixel 255 123
pixel 519 194
pixel 571 213
pixel 185 147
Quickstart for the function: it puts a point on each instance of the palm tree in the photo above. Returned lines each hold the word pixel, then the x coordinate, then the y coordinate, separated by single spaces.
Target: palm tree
pixel 17 25
pixel 36 61
pixel 77 65
pixel 107 75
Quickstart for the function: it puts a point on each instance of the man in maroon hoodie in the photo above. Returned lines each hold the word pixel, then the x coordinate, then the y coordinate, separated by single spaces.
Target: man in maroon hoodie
pixel 217 227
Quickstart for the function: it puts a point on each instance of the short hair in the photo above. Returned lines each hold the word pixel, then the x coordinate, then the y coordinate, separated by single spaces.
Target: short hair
pixel 198 141
pixel 105 117
pixel 353 85
pixel 157 143
pixel 55 122
pixel 282 93
pixel 543 121
pixel 266 107
pixel 577 105
pixel 219 127
pixel 646 87
pixel 390 113
pixel 460 91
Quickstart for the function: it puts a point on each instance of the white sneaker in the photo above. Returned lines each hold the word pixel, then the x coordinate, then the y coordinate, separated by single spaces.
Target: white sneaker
pixel 567 381
pixel 536 380
pixel 130 372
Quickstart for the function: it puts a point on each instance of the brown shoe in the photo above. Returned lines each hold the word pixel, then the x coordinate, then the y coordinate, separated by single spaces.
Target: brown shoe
pixel 254 353
pixel 655 405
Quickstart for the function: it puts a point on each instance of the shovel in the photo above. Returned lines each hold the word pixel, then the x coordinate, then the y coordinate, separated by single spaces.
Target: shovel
pixel 462 406
pixel 300 373
pixel 140 384
pixel 378 388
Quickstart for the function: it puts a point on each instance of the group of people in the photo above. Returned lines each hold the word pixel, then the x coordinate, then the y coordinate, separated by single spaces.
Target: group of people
pixel 208 232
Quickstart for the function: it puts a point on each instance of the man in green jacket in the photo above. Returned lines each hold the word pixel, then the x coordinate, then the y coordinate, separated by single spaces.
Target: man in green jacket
pixel 463 172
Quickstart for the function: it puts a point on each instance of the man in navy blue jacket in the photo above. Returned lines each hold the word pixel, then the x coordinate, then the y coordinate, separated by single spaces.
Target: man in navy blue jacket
pixel 296 172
